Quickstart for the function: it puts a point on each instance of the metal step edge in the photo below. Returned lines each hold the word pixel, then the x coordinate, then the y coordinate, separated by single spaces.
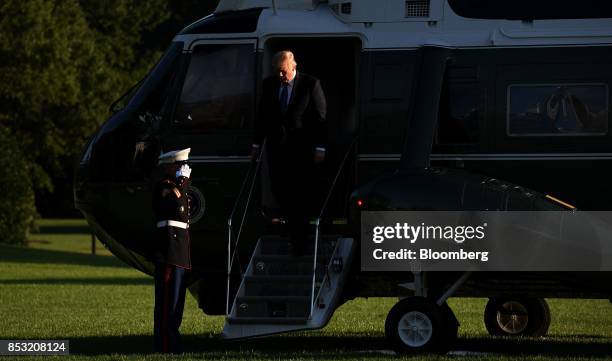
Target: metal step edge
pixel 276 259
pixel 283 257
pixel 267 320
pixel 273 298
pixel 277 278
pixel 310 236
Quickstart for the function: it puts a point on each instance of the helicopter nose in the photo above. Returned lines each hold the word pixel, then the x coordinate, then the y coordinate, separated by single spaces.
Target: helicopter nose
pixel 111 186
pixel 123 152
pixel 89 176
pixel 84 196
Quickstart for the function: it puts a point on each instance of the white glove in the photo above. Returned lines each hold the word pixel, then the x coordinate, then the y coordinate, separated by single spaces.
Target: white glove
pixel 184 171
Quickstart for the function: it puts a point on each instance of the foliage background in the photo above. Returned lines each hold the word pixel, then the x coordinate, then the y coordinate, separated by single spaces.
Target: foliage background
pixel 62 63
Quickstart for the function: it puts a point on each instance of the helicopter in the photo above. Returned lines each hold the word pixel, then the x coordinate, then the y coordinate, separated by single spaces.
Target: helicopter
pixel 426 98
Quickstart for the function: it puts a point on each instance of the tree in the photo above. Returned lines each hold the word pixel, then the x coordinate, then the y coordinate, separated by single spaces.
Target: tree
pixel 17 210
pixel 61 64
pixel 43 46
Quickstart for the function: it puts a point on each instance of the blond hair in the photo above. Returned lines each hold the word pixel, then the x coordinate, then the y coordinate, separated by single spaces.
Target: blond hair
pixel 282 57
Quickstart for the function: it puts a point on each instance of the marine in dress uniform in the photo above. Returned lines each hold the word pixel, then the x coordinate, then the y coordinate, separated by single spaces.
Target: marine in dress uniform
pixel 172 248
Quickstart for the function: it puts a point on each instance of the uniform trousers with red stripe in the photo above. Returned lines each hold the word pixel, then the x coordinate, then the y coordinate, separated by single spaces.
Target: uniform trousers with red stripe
pixel 169 304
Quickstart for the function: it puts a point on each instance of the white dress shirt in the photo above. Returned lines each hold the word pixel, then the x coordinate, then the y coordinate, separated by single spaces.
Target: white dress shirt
pixel 289 86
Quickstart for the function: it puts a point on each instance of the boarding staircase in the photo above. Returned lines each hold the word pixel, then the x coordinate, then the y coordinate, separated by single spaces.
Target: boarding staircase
pixel 279 292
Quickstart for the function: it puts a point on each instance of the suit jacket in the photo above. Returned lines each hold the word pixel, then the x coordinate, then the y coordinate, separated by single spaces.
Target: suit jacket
pixel 303 124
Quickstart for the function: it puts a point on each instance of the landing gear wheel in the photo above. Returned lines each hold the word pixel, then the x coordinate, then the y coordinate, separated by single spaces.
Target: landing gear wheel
pixel 417 325
pixel 517 317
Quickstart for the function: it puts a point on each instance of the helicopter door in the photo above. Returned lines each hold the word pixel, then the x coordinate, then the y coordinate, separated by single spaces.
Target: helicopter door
pixel 214 117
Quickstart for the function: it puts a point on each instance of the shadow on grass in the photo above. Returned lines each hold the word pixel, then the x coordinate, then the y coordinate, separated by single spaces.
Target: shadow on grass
pixel 64 229
pixel 586 345
pixel 29 255
pixel 37 241
pixel 115 281
pixel 347 347
pixel 267 348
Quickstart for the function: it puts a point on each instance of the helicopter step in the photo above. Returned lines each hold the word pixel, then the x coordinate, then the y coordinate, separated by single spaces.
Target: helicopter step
pixel 283 265
pixel 277 289
pixel 272 245
pixel 291 285
pixel 274 306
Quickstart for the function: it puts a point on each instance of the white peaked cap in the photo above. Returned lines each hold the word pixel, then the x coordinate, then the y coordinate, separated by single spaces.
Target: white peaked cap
pixel 174 156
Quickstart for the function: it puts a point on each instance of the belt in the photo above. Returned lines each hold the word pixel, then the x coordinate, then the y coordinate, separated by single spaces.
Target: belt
pixel 170 223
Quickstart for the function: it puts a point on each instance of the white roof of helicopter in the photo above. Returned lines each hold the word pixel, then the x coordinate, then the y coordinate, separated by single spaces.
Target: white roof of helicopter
pixel 387 24
pixel 229 5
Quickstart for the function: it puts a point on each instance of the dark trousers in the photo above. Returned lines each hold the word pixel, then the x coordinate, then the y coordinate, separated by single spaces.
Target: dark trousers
pixel 293 181
pixel 169 304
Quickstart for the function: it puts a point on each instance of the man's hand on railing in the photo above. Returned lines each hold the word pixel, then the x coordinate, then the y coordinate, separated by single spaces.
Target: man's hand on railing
pixel 319 155
pixel 255 149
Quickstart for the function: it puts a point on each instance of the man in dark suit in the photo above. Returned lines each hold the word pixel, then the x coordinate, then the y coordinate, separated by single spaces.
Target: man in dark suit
pixel 291 116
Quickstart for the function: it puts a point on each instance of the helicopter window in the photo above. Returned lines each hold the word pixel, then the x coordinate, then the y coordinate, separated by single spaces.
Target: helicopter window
pixel 557 109
pixel 237 21
pixel 125 149
pixel 387 93
pixel 153 89
pixel 218 92
pixel 459 114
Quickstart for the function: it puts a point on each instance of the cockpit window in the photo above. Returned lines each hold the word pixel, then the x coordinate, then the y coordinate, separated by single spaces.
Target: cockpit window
pixel 155 86
pixel 218 91
pixel 126 148
pixel 557 109
pixel 236 21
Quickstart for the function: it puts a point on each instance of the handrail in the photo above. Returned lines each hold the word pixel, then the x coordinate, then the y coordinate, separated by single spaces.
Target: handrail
pixel 353 142
pixel 244 183
pixel 318 223
pixel 232 255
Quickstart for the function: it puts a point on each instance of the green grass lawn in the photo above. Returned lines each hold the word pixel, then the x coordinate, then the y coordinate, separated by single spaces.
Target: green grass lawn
pixel 55 289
